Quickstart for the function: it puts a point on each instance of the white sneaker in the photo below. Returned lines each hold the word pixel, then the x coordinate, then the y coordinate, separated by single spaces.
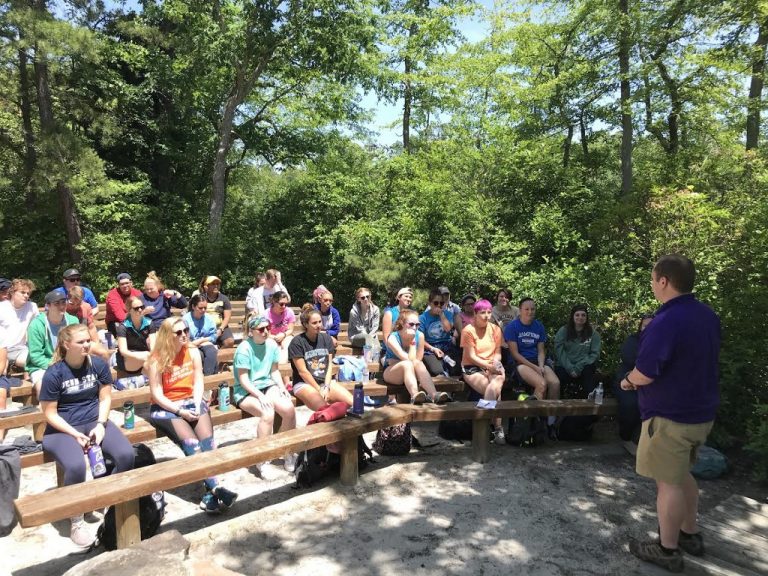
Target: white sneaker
pixel 80 534
pixel 289 462
pixel 498 437
pixel 267 471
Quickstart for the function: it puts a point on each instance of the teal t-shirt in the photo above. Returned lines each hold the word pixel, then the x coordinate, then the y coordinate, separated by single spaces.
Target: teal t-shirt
pixel 258 359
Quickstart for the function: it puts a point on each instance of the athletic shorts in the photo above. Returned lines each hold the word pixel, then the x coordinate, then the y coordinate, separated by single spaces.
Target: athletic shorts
pixel 667 449
pixel 470 369
pixel 239 394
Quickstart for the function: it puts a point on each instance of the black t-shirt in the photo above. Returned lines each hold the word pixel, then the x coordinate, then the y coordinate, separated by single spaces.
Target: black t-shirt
pixel 76 390
pixel 315 355
pixel 137 340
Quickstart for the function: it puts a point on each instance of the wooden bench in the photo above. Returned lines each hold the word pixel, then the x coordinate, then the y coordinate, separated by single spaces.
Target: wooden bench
pixel 123 490
pixel 143 431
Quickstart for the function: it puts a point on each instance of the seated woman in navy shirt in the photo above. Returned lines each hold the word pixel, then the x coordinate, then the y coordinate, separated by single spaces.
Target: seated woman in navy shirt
pixel 159 301
pixel 76 398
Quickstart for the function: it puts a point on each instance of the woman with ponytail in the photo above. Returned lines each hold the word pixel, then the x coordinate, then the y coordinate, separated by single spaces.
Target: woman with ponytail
pixel 311 354
pixel 75 398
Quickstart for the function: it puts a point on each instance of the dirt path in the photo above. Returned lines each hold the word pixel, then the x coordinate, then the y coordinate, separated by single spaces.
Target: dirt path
pixel 563 509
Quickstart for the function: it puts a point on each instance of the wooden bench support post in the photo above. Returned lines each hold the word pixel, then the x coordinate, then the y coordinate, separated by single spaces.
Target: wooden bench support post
pixel 481 438
pixel 59 475
pixel 127 524
pixel 349 470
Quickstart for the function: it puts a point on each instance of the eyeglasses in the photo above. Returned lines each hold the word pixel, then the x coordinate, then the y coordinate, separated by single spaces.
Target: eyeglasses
pixel 437 302
pixel 138 308
pixel 261 329
pixel 413 324
pixel 180 332
pixel 73 278
pixel 364 297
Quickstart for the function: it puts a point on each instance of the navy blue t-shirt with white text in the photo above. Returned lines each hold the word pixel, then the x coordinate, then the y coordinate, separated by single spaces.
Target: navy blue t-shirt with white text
pixel 76 390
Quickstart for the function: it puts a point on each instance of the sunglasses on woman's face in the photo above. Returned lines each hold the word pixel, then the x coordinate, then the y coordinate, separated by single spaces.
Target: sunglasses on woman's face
pixel 180 332
pixel 413 324
pixel 437 302
pixel 138 308
pixel 364 297
pixel 261 329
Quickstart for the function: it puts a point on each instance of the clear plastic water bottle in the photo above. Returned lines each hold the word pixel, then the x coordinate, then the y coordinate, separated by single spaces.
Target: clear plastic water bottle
pixel 96 460
pixel 599 393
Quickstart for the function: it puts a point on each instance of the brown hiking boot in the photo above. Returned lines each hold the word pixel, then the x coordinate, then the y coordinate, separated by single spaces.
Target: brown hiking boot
pixel 692 544
pixel 651 551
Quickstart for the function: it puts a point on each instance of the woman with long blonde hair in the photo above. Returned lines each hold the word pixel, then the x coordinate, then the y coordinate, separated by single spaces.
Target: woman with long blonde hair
pixel 75 398
pixel 178 408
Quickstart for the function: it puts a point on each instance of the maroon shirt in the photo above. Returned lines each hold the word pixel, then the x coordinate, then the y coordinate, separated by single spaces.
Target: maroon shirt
pixel 116 304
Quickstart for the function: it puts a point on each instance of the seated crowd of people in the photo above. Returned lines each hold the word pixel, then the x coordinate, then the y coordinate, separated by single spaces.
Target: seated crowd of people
pixel 60 350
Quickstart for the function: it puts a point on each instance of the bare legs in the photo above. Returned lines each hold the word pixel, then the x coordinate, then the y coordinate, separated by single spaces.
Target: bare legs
pixel 545 386
pixel 411 374
pixel 676 506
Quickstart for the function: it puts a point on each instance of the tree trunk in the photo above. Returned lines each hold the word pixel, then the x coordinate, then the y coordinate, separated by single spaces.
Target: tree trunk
pixel 49 129
pixel 756 87
pixel 30 154
pixel 626 109
pixel 244 83
pixel 567 146
pixel 676 106
pixel 583 134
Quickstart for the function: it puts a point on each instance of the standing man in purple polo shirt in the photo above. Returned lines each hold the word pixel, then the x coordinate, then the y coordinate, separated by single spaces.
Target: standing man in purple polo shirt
pixel 676 375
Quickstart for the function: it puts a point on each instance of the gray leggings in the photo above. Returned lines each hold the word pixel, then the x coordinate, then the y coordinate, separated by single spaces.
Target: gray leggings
pixel 69 455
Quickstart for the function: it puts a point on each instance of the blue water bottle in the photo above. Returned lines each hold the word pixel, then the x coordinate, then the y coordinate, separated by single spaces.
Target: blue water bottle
pixel 223 397
pixel 358 398
pixel 96 460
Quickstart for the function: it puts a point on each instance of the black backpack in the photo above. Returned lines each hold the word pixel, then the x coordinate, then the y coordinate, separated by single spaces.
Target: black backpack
pixel 576 428
pixel 531 431
pixel 455 430
pixel 151 507
pixel 317 463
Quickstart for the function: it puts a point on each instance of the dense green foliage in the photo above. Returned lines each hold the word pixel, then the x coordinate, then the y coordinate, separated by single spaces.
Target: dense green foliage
pixel 510 176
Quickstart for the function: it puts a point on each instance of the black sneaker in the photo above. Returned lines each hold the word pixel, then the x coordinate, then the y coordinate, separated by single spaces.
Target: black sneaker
pixel 226 498
pixel 651 551
pixel 552 432
pixel 692 544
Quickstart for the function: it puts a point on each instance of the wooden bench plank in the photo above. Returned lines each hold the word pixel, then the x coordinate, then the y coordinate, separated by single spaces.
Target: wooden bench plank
pixel 68 501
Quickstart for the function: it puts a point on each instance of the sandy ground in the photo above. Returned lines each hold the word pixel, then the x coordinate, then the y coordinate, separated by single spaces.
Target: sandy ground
pixel 562 509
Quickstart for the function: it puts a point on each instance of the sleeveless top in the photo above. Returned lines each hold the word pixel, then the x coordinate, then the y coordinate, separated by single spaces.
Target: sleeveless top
pixel 391 355
pixel 179 381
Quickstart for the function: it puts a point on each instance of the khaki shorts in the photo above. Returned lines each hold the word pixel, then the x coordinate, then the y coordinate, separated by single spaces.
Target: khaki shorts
pixel 667 449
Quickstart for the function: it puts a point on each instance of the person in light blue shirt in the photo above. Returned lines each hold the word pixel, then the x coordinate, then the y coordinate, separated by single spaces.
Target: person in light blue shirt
pixel 437 325
pixel 202 332
pixel 259 388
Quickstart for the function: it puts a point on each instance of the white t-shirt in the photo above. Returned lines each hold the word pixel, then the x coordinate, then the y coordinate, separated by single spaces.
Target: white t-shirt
pixel 258 298
pixel 14 323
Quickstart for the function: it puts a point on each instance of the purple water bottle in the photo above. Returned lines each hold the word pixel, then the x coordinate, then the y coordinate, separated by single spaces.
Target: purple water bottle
pixel 96 459
pixel 358 398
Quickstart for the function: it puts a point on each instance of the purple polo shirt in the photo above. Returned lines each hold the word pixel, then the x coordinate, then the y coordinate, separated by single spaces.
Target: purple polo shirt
pixel 680 351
